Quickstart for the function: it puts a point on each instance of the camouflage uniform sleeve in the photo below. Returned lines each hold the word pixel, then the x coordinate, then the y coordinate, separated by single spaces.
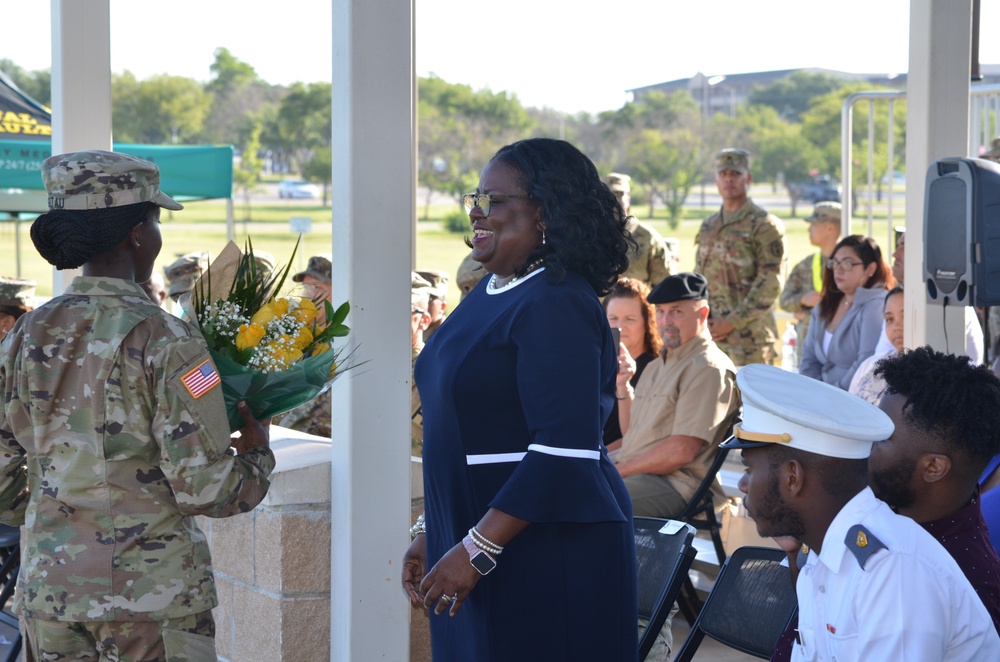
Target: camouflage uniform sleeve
pixel 659 261
pixel 206 476
pixel 799 283
pixel 13 462
pixel 768 245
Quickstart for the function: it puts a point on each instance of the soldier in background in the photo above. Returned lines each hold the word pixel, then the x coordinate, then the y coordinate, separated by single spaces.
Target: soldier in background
pixel 17 297
pixel 316 416
pixel 437 294
pixel 468 275
pixel 651 261
pixel 805 282
pixel 740 251
pixel 181 276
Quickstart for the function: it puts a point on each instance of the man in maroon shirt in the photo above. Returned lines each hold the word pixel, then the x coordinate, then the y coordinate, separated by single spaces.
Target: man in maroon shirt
pixel 947 417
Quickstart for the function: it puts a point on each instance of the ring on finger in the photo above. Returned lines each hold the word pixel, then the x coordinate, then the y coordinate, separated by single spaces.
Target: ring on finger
pixel 448 598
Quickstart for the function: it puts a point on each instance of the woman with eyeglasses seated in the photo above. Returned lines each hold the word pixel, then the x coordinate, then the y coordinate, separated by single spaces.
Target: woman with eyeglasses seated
pixel 526 549
pixel 846 324
pixel 635 318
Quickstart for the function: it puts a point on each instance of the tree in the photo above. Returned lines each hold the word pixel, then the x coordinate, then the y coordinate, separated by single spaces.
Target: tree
pixel 161 109
pixel 303 123
pixel 246 177
pixel 459 130
pixel 320 169
pixel 821 125
pixel 36 84
pixel 667 165
pixel 238 93
pixel 792 95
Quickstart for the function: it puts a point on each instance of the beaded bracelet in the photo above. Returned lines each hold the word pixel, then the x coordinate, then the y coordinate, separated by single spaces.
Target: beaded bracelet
pixel 484 543
pixel 418 528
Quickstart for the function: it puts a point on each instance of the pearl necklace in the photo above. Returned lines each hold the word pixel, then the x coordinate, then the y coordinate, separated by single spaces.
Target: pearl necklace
pixel 534 266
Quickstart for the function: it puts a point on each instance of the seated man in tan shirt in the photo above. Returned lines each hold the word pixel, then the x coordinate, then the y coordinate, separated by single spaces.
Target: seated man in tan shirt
pixel 682 405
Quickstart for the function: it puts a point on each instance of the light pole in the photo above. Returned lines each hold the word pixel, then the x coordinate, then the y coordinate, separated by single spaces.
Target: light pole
pixel 706 83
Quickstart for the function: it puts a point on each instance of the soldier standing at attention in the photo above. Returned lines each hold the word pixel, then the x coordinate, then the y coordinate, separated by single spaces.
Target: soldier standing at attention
pixel 650 262
pixel 740 251
pixel 113 435
pixel 804 286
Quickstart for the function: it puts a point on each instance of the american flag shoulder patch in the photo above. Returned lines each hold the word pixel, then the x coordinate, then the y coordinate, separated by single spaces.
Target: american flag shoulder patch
pixel 200 381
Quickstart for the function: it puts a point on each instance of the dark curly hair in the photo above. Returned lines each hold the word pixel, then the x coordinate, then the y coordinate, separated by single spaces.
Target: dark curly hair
pixel 69 238
pixel 584 222
pixel 632 288
pixel 955 403
pixel 867 251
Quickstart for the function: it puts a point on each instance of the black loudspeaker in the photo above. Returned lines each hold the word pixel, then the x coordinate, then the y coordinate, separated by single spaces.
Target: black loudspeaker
pixel 962 232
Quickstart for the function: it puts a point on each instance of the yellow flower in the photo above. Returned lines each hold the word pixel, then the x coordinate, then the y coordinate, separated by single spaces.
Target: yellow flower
pixel 303 339
pixel 248 336
pixel 282 353
pixel 333 371
pixel 320 348
pixel 307 311
pixel 269 311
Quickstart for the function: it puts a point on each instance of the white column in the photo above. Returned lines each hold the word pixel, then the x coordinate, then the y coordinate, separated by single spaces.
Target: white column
pixel 81 85
pixel 937 95
pixel 373 214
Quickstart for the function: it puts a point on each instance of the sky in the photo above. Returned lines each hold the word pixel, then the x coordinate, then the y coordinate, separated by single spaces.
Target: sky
pixel 568 55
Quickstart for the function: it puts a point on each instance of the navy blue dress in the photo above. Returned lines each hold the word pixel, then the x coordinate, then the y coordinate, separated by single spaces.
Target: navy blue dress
pixel 516 385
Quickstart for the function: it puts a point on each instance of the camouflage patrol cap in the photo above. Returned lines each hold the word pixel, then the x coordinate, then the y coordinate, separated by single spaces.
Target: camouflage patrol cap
pixel 184 271
pixel 618 183
pixel 419 302
pixel 436 283
pixel 96 179
pixel 17 292
pixel 993 154
pixel 828 212
pixel 733 159
pixel 468 275
pixel 320 267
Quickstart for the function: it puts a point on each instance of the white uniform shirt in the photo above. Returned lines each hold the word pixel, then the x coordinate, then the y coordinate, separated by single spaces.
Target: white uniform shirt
pixel 910 602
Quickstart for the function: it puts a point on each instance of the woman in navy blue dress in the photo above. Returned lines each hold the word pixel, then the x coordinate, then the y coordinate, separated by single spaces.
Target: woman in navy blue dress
pixel 528 552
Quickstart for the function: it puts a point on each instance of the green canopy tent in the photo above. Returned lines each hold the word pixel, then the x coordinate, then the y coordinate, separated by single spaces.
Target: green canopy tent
pixel 187 172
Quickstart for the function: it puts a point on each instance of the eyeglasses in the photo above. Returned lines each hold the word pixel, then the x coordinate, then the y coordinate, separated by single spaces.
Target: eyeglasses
pixel 841 265
pixel 484 200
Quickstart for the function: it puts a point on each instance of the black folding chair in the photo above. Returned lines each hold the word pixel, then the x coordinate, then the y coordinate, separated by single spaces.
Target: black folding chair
pixel 751 604
pixel 664 549
pixel 700 513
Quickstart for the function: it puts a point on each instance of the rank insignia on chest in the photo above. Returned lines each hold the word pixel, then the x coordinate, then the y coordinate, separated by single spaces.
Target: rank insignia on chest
pixel 200 381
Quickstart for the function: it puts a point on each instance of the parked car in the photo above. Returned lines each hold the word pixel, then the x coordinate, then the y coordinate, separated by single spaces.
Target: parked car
pixel 821 188
pixel 297 188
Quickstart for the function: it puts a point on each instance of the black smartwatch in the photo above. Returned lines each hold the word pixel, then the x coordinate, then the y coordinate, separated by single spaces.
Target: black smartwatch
pixel 480 560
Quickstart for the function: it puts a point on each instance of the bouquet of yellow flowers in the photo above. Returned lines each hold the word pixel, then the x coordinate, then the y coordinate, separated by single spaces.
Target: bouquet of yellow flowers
pixel 274 352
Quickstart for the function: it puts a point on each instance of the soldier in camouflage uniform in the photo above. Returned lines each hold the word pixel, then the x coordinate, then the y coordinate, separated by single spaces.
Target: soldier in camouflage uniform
pixel 437 292
pixel 113 435
pixel 316 416
pixel 16 298
pixel 805 282
pixel 740 252
pixel 650 262
pixel 181 276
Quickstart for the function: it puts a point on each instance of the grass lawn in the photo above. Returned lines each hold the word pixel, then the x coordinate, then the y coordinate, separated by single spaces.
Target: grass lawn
pixel 201 226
